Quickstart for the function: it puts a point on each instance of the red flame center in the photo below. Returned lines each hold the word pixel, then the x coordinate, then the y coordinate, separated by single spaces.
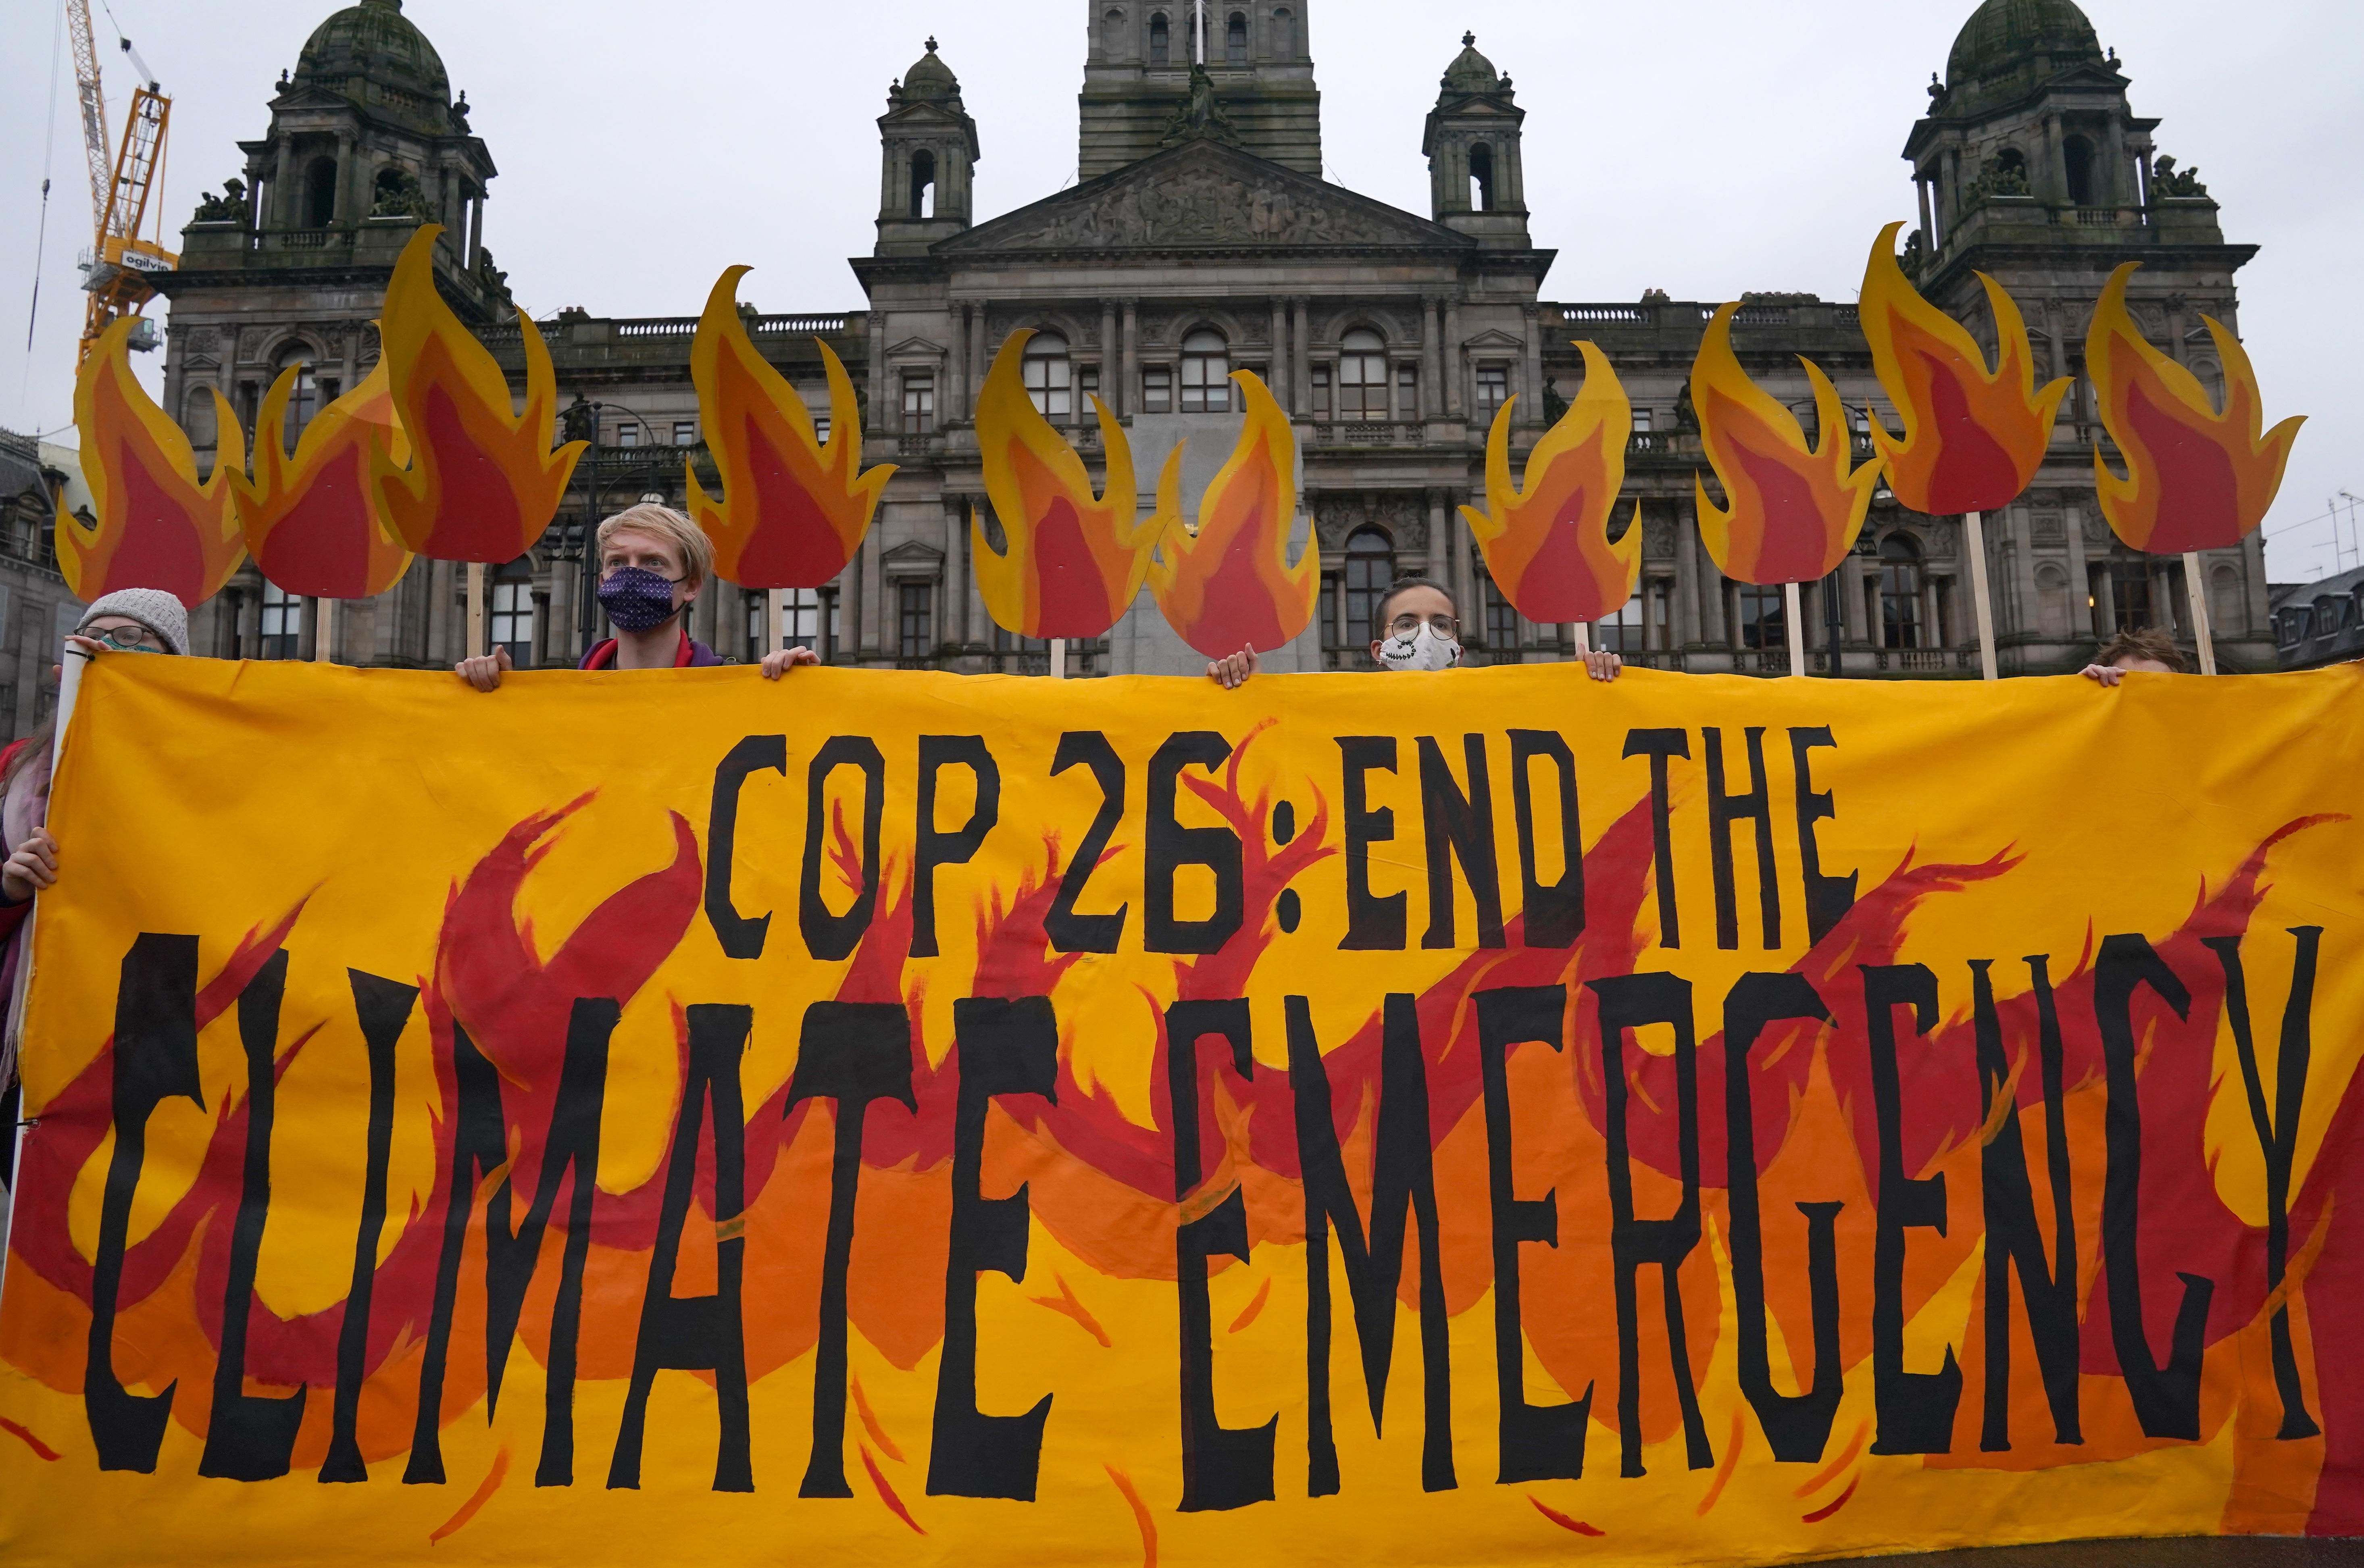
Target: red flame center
pixel 1074 593
pixel 2197 486
pixel 1971 462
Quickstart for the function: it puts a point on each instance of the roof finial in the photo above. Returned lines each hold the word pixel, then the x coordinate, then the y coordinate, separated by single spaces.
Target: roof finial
pixel 932 43
pixel 1469 41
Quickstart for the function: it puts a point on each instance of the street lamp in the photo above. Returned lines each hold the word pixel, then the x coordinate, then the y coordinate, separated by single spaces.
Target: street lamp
pixel 581 419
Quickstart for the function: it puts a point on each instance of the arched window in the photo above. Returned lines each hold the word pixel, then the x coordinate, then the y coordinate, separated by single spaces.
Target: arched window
pixel 1481 178
pixel 2077 156
pixel 1284 35
pixel 2052 599
pixel 1206 374
pixel 1362 377
pixel 1235 39
pixel 1161 42
pixel 1113 35
pixel 1900 592
pixel 1370 569
pixel 303 399
pixel 513 610
pixel 319 192
pixel 1049 377
pixel 197 417
pixel 923 183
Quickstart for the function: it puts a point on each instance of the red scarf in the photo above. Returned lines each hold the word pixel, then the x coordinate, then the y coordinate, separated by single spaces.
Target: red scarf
pixel 603 657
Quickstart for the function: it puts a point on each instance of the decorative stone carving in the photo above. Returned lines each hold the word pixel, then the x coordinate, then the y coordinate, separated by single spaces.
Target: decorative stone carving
pixel 1202 205
pixel 2097 530
pixel 228 207
pixel 1658 534
pixel 2048 528
pixel 2167 180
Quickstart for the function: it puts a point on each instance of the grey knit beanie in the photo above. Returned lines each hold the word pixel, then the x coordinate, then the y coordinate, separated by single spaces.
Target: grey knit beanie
pixel 157 611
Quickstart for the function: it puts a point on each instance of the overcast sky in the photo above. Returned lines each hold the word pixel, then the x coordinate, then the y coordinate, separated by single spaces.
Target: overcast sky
pixel 1705 147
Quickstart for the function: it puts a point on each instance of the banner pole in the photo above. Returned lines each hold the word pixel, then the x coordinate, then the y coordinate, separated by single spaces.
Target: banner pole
pixel 776 614
pixel 1975 527
pixel 1795 617
pixel 2203 637
pixel 324 631
pixel 1058 658
pixel 476 610
pixel 1581 632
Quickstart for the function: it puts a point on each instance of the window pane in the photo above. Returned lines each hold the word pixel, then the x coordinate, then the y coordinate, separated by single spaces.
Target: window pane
pixel 1370 569
pixel 1761 621
pixel 918 404
pixel 915 600
pixel 1493 386
pixel 627 435
pixel 1158 391
pixel 685 432
pixel 1501 625
pixel 1622 632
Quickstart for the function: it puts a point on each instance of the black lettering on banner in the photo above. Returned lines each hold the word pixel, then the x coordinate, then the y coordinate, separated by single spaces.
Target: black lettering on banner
pixel 1554 914
pixel 155 1059
pixel 1797 1425
pixel 1459 827
pixel 2277 1138
pixel 1068 931
pixel 569 1153
pixel 1172 846
pixel 1006 1048
pixel 1373 921
pixel 742 935
pixel 933 848
pixel 252 1438
pixel 1535 1442
pixel 1723 810
pixel 2166 1399
pixel 1631 1002
pixel 1222 1467
pixel 383 1008
pixel 1913 1410
pixel 833 937
pixel 1659 745
pixel 1403 1185
pixel 1828 898
pixel 852 1053
pixel 699 1333
pixel 2047 1291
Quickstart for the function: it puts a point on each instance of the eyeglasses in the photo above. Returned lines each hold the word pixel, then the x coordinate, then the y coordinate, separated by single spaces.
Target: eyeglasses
pixel 130 639
pixel 1405 625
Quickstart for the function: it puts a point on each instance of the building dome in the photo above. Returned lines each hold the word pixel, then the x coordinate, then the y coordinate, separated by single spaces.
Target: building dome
pixel 932 79
pixel 2009 48
pixel 1471 74
pixel 372 54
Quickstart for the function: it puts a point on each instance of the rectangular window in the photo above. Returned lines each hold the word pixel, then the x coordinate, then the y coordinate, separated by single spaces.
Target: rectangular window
pixel 830 637
pixel 283 622
pixel 513 620
pixel 1158 390
pixel 800 617
pixel 1321 392
pixel 1641 421
pixel 1087 386
pixel 1205 387
pixel 1493 386
pixel 1623 632
pixel 919 403
pixel 1760 621
pixel 821 425
pixel 1407 392
pixel 915 600
pixel 627 435
pixel 685 432
pixel 1048 385
pixel 1501 625
pixel 1362 388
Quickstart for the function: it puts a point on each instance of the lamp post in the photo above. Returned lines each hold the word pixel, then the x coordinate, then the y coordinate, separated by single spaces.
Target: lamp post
pixel 582 420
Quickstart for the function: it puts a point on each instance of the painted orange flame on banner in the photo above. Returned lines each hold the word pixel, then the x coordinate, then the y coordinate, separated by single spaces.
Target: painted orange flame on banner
pixel 1548 545
pixel 483 482
pixel 793 509
pixel 312 522
pixel 157 526
pixel 1227 584
pixel 1072 561
pixel 2197 478
pixel 1793 510
pixel 1973 438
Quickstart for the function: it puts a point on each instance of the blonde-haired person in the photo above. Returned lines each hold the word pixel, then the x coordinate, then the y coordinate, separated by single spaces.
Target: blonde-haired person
pixel 653 562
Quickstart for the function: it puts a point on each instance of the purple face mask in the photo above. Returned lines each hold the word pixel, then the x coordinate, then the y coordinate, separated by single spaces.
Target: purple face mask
pixel 636 598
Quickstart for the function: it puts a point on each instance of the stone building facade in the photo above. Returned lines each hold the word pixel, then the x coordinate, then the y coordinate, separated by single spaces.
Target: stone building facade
pixel 1201 238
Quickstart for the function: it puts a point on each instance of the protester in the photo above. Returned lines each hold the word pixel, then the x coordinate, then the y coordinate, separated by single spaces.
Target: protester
pixel 2149 651
pixel 1422 631
pixel 130 620
pixel 653 562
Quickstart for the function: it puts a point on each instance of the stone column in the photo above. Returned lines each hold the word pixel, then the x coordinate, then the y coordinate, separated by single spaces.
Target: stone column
pixel 1279 370
pixel 1300 366
pixel 882 418
pixel 2106 610
pixel 1132 355
pixel 872 596
pixel 1686 584
pixel 955 395
pixel 1854 601
pixel 1439 523
pixel 1928 235
pixel 1432 337
pixel 1455 401
pixel 1530 407
pixel 980 350
pixel 1111 384
pixel 2080 584
pixel 476 230
pixel 1464 579
pixel 955 616
pixel 349 195
pixel 284 195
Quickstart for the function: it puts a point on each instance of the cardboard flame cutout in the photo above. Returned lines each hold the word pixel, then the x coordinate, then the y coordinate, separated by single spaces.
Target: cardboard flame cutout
pixel 483 482
pixel 157 526
pixel 1973 438
pixel 1072 561
pixel 1227 584
pixel 2196 478
pixel 312 522
pixel 1547 545
pixel 1793 510
pixel 793 509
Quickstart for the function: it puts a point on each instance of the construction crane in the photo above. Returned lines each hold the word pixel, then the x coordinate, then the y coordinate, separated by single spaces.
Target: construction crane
pixel 121 180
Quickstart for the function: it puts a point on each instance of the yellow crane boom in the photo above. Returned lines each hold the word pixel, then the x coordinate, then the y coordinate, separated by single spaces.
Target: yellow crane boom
pixel 121 181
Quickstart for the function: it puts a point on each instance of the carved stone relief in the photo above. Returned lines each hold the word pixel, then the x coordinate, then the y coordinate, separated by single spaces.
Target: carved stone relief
pixel 1200 206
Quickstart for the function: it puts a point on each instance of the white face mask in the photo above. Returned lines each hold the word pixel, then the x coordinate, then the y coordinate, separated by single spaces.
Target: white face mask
pixel 1420 649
